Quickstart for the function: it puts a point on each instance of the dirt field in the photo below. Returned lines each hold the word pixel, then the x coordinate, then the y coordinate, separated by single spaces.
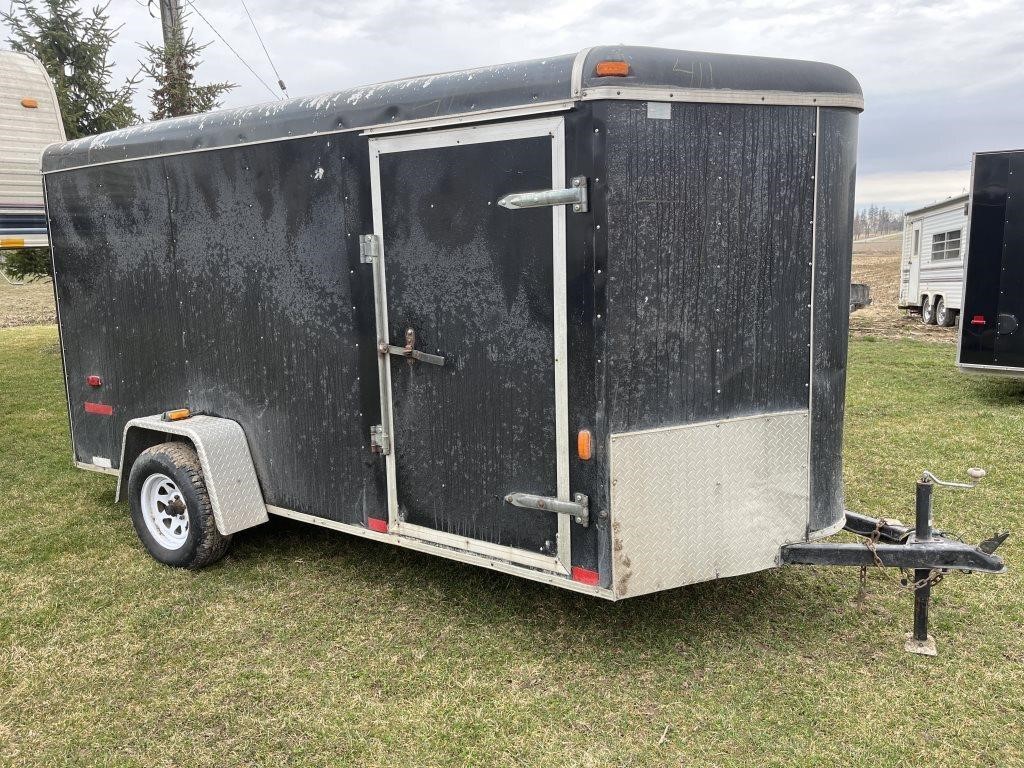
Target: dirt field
pixel 30 304
pixel 877 263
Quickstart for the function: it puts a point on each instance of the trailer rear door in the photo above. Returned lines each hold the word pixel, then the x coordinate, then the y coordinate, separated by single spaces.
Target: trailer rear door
pixel 483 287
pixel 992 323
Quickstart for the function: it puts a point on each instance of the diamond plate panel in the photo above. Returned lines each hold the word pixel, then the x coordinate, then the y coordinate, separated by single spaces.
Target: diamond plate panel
pixel 703 501
pixel 227 467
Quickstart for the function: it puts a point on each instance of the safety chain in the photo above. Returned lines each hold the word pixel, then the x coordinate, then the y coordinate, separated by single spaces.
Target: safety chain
pixel 935 575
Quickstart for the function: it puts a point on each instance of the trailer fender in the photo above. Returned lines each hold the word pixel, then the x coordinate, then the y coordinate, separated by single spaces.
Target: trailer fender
pixel 224 456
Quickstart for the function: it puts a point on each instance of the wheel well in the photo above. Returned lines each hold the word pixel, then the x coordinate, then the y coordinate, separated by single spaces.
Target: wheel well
pixel 137 440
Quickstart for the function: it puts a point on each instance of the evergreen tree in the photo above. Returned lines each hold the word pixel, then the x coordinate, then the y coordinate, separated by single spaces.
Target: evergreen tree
pixel 74 47
pixel 172 66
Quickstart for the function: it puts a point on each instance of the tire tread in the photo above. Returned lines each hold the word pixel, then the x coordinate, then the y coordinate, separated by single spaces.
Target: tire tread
pixel 212 545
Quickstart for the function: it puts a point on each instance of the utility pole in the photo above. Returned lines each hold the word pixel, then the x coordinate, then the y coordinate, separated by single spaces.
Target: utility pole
pixel 170 19
pixel 174 35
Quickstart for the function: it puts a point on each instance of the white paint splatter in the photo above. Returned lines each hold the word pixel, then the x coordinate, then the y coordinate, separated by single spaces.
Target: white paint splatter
pixel 318 174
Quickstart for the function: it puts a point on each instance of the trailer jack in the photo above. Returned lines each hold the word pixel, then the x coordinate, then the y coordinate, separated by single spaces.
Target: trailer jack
pixel 928 553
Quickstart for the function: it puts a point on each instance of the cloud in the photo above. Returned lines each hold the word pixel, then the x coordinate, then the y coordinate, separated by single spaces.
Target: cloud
pixel 942 78
pixel 905 191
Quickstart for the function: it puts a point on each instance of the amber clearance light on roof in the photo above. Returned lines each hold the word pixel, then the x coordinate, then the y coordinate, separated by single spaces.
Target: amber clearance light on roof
pixel 28 103
pixel 611 69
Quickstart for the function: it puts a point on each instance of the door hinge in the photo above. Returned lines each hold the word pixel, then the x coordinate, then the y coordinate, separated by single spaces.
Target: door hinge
pixel 369 248
pixel 578 508
pixel 379 441
pixel 575 195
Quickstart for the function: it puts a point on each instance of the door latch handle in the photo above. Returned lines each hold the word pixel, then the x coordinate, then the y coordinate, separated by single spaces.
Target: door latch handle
pixel 578 508
pixel 409 351
pixel 575 195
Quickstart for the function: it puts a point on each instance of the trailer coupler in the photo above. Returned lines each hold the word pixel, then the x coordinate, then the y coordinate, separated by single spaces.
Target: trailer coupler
pixel 929 553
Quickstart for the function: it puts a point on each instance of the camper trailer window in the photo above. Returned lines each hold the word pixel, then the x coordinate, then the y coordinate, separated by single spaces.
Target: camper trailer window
pixel 946 245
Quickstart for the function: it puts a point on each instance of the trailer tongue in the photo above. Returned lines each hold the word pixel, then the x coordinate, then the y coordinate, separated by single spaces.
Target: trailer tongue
pixel 928 552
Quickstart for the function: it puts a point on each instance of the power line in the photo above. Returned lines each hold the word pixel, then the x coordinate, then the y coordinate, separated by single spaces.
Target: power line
pixel 259 37
pixel 237 54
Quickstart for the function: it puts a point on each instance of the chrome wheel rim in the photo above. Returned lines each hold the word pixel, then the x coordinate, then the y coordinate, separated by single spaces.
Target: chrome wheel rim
pixel 164 511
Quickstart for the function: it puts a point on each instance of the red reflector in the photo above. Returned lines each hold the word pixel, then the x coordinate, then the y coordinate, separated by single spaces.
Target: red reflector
pixel 94 381
pixel 380 526
pixel 585 575
pixel 978 320
pixel 99 408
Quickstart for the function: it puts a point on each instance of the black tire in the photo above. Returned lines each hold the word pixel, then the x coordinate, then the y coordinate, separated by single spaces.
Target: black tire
pixel 943 316
pixel 927 311
pixel 204 544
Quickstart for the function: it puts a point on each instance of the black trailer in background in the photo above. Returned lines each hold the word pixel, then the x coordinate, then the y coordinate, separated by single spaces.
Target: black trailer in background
pixel 992 322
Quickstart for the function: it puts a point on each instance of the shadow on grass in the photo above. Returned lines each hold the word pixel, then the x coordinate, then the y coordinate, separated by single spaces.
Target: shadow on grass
pixel 793 607
pixel 997 391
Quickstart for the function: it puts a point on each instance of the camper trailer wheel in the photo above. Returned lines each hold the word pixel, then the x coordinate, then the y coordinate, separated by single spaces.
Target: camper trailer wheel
pixel 927 311
pixel 171 508
pixel 943 316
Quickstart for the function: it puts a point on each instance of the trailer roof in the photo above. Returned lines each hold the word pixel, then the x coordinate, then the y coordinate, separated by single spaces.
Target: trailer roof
pixel 655 74
pixel 948 203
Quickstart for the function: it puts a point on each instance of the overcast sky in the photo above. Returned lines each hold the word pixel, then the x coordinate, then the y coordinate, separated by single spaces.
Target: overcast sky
pixel 941 79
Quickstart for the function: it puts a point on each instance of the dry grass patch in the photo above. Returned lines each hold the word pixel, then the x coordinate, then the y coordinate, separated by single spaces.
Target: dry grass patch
pixel 29 304
pixel 877 263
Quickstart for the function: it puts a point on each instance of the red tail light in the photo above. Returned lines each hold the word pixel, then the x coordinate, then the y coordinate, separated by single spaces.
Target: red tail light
pixel 978 320
pixel 94 381
pixel 585 575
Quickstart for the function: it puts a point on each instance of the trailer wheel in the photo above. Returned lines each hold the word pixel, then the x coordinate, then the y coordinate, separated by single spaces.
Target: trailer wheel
pixel 927 311
pixel 943 316
pixel 171 508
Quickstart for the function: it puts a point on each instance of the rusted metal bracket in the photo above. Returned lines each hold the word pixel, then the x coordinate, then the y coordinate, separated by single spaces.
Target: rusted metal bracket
pixel 380 442
pixel 409 351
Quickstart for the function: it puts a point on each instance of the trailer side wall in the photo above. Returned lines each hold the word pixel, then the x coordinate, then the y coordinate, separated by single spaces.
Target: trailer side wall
pixel 228 282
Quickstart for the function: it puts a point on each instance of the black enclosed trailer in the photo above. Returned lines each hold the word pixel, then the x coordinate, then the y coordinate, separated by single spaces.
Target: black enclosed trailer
pixel 581 319
pixel 992 323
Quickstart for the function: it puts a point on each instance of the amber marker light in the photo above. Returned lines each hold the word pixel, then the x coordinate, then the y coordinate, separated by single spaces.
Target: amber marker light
pixel 28 103
pixel 612 69
pixel 584 444
pixel 177 414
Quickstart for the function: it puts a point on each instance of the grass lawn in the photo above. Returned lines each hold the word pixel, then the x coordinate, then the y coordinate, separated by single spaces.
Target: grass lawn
pixel 307 647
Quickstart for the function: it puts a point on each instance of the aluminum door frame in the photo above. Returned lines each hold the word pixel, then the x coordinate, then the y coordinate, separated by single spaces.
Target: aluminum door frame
pixel 478 134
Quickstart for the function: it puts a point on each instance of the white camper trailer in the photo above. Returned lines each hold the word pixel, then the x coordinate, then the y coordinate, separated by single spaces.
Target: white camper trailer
pixel 932 266
pixel 29 122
